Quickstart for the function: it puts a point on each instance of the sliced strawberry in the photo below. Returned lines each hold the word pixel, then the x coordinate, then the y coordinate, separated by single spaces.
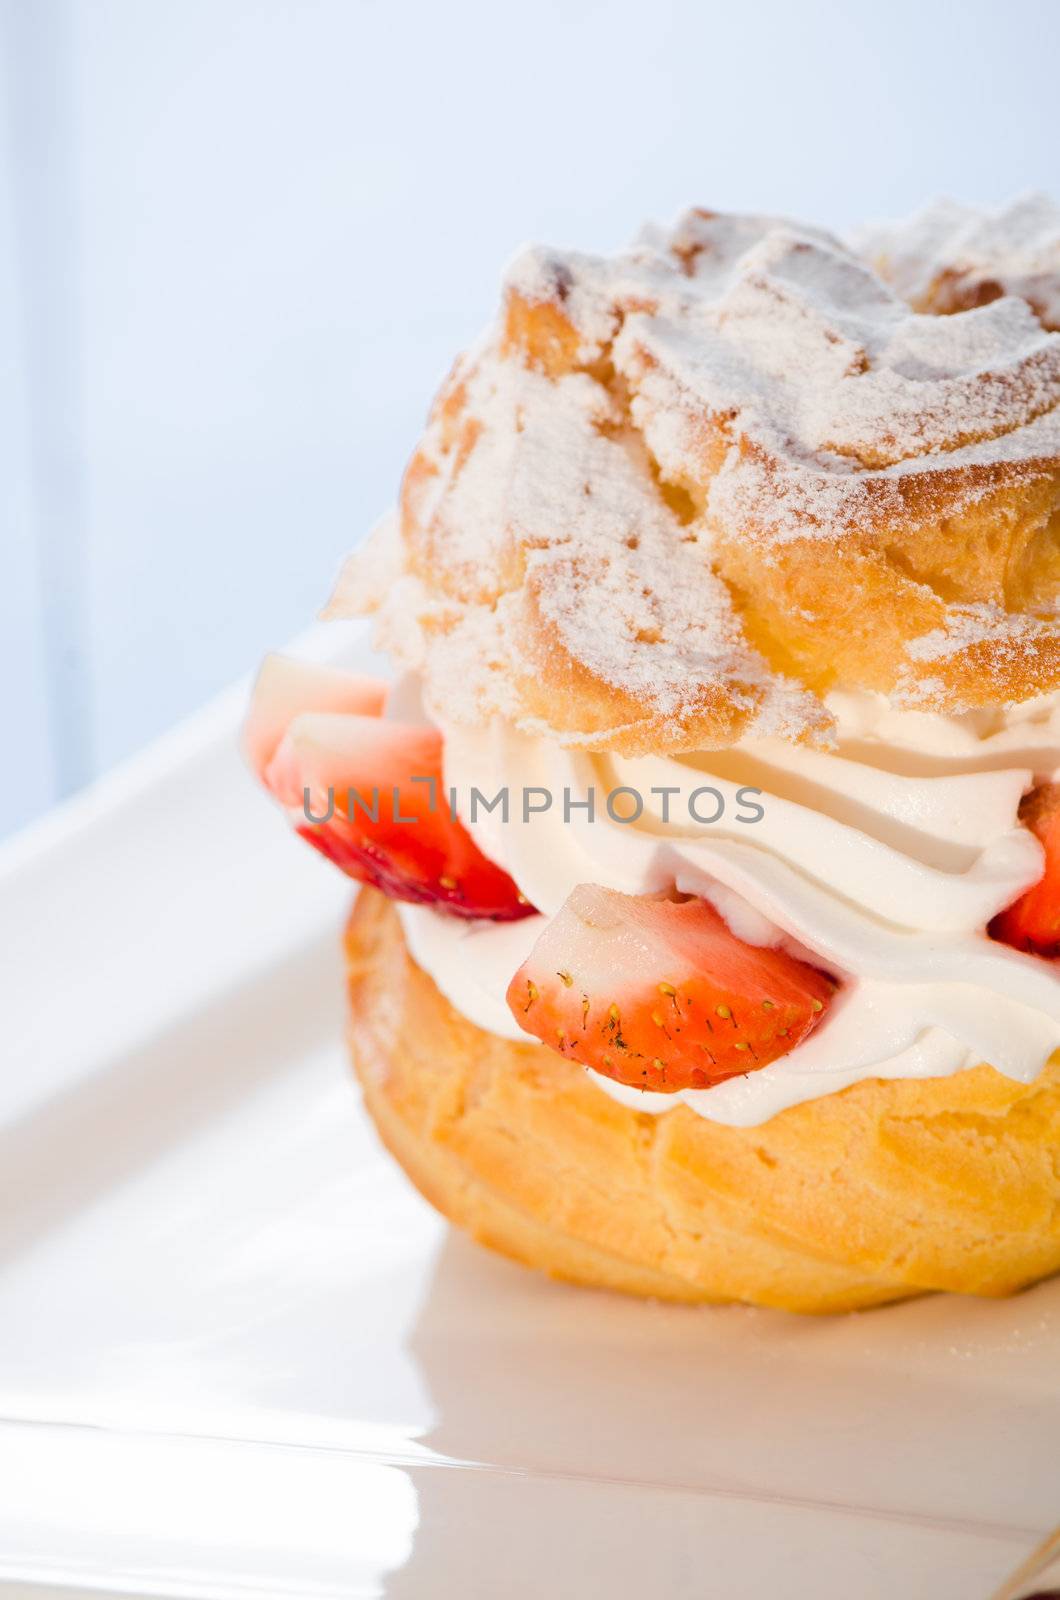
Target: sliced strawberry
pixel 1033 921
pixel 660 994
pixel 367 793
pixel 285 687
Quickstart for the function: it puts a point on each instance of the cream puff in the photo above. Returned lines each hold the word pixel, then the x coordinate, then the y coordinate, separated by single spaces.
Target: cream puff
pixel 710 834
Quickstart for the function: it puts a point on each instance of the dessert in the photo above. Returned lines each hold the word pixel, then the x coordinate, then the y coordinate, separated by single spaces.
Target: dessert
pixel 951 257
pixel 711 849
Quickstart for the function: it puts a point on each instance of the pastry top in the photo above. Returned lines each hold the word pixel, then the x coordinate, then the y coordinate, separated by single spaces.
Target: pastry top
pixel 950 257
pixel 676 495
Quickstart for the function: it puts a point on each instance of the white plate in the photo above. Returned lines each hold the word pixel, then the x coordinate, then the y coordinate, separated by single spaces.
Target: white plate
pixel 240 1356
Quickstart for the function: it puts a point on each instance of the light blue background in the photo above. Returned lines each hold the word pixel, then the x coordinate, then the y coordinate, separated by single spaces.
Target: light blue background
pixel 240 243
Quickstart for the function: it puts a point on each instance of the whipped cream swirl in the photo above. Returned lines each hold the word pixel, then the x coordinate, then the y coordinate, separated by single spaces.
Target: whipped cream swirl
pixel 882 861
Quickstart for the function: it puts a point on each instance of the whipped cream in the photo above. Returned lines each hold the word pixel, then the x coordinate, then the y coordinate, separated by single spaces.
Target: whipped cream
pixel 881 861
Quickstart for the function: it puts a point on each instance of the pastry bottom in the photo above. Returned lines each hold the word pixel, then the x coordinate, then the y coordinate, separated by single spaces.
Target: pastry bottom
pixel 881 1191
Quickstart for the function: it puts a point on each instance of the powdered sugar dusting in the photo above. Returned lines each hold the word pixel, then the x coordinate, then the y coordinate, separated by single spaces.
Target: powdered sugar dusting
pixel 949 256
pixel 731 380
pixel 807 355
pixel 556 504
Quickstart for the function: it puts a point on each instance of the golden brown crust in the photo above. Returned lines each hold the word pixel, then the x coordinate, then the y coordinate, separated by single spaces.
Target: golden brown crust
pixel 677 495
pixel 885 1190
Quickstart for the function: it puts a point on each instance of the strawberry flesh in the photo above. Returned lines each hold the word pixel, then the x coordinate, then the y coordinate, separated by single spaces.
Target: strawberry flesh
pixel 661 994
pixel 1033 921
pixel 402 839
pixel 318 743
pixel 285 687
